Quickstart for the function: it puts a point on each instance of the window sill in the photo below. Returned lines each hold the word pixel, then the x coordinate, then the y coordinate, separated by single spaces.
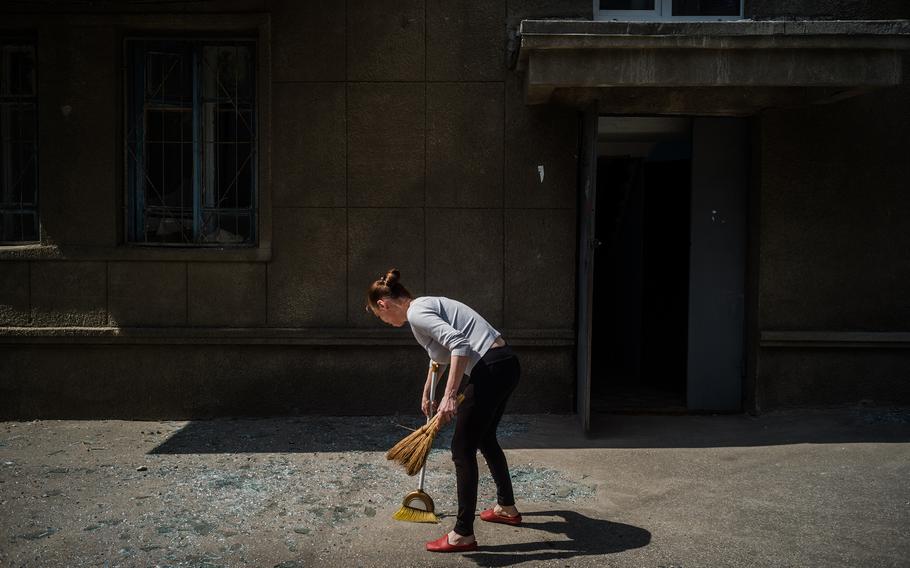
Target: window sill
pixel 136 253
pixel 670 19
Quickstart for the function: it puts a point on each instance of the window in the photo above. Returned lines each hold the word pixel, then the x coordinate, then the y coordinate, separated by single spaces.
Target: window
pixel 668 9
pixel 18 145
pixel 191 142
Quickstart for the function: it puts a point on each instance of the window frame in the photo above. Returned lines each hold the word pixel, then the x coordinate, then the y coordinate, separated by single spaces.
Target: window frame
pixel 663 12
pixel 133 210
pixel 34 208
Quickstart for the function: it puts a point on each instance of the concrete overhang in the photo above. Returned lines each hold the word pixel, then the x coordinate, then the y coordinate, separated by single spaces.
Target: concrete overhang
pixel 709 68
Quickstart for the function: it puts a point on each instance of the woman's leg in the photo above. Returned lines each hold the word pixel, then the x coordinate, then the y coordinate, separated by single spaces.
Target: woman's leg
pixel 506 373
pixel 464 453
pixel 496 461
pixel 477 416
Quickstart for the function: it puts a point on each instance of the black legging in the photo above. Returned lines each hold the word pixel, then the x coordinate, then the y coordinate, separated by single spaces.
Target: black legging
pixel 493 379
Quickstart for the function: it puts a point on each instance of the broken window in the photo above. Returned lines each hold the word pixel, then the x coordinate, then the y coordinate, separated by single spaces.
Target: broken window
pixel 191 142
pixel 18 145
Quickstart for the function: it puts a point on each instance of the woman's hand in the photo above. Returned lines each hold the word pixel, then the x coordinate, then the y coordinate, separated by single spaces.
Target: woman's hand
pixel 447 409
pixel 427 406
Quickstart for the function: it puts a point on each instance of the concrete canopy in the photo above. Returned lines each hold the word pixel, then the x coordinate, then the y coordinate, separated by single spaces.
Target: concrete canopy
pixel 709 68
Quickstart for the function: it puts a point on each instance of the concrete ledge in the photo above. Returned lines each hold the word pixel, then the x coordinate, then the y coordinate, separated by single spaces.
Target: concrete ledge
pixel 822 339
pixel 712 35
pixel 253 336
pixel 575 62
pixel 134 253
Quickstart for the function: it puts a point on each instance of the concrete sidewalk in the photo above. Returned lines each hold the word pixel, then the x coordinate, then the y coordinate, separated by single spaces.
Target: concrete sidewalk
pixel 798 488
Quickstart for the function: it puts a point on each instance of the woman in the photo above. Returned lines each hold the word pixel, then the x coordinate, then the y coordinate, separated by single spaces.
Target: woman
pixel 454 334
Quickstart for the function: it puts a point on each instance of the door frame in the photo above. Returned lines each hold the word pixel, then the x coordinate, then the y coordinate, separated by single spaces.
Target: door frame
pixel 587 244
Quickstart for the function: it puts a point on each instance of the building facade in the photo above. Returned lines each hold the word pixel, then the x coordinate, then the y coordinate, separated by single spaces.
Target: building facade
pixel 658 209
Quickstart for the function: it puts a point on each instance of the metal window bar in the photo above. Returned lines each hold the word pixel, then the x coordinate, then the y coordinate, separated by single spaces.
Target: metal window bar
pixel 19 222
pixel 208 98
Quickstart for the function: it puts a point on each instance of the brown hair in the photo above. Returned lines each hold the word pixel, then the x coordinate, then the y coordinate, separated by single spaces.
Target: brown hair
pixel 387 286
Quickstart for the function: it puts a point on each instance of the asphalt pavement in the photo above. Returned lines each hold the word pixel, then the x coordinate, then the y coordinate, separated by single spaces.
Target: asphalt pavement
pixel 810 487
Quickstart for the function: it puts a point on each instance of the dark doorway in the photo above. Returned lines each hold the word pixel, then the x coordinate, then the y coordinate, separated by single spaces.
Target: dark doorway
pixel 641 274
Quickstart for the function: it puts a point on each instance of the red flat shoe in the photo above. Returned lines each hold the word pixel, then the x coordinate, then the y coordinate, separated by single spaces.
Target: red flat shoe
pixel 442 545
pixel 491 516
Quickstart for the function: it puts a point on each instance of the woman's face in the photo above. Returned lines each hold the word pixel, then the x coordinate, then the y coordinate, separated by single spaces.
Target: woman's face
pixel 391 312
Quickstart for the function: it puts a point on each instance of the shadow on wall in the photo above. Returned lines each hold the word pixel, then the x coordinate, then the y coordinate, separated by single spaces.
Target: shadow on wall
pixel 522 431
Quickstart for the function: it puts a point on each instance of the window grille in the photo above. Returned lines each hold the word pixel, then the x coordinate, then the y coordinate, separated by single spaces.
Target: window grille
pixel 18 145
pixel 191 142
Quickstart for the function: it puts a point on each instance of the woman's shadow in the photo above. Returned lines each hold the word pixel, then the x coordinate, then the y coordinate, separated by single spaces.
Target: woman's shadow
pixel 585 537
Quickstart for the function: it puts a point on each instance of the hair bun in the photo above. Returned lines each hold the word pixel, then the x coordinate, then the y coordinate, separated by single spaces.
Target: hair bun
pixel 392 277
pixel 387 286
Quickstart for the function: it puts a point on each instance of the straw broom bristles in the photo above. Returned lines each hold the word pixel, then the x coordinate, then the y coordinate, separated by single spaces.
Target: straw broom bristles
pixel 413 449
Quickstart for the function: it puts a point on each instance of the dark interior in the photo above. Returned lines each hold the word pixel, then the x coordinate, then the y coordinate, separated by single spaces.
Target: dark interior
pixel 641 275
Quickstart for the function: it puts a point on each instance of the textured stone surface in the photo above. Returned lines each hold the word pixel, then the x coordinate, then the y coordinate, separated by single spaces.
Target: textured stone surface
pixel 659 64
pixel 832 254
pixel 189 6
pixel 539 136
pixel 379 239
pixel 547 380
pixel 540 269
pixel 833 216
pixel 227 294
pixel 148 293
pixel 386 144
pixel 308 158
pixel 14 293
pixel 518 10
pixel 69 293
pixel 201 381
pixel 78 91
pixel 212 380
pixel 464 258
pixel 386 40
pixel 466 40
pixel 828 9
pixel 798 377
pixel 308 40
pixel 464 144
pixel 308 272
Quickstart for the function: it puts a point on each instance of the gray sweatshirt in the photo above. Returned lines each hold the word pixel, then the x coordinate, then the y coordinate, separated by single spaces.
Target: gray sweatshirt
pixel 446 327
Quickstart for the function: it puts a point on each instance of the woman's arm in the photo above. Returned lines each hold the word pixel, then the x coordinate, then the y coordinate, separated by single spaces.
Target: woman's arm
pixel 448 406
pixel 426 404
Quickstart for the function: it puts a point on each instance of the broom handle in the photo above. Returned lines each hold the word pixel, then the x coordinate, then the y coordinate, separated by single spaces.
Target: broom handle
pixel 434 366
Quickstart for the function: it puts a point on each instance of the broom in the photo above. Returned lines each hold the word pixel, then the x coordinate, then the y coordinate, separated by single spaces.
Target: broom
pixel 412 451
pixel 408 512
